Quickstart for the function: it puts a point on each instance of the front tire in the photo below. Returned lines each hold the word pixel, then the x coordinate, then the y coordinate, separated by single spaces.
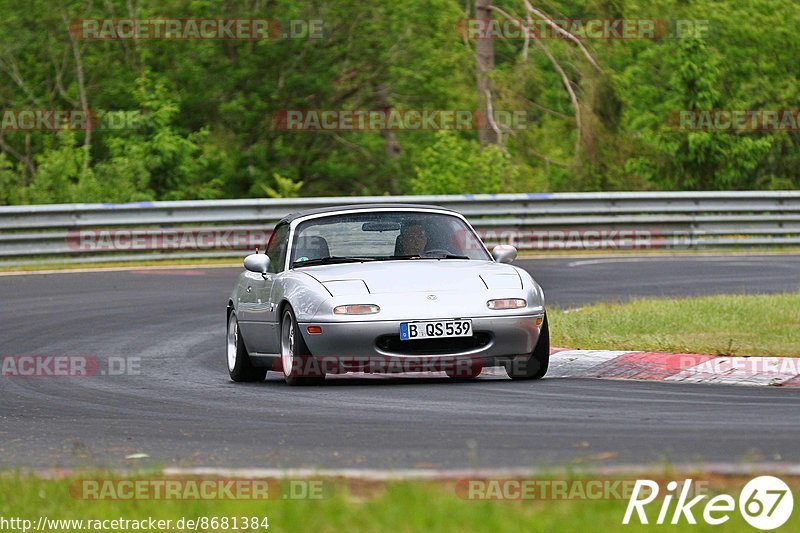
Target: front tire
pixel 299 366
pixel 240 367
pixel 536 366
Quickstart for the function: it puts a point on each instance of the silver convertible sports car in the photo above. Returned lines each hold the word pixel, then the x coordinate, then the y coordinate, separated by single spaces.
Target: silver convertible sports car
pixel 381 289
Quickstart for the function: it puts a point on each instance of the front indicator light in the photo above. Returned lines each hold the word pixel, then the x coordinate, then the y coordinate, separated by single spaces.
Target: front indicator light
pixel 314 330
pixel 358 309
pixel 507 303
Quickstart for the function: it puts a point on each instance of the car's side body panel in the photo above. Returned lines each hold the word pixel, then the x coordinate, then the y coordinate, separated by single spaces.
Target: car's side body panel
pixel 257 302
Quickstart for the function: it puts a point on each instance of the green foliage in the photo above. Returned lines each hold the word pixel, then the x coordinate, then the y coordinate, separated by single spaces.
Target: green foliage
pixel 10 182
pixel 452 165
pixel 155 155
pixel 284 187
pixel 730 69
pixel 61 175
pixel 207 106
pixel 698 160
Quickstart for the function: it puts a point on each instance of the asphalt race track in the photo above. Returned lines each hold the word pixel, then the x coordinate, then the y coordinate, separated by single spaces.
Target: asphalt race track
pixel 182 410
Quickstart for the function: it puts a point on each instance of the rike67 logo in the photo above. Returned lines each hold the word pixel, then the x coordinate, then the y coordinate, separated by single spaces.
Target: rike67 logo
pixel 765 502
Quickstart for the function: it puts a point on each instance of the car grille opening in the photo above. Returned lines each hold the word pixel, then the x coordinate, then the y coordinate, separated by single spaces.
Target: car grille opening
pixel 451 345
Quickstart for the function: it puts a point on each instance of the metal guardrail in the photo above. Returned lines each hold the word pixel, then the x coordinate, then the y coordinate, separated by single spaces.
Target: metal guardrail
pixel 580 221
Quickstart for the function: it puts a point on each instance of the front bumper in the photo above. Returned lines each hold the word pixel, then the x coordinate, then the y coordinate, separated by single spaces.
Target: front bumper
pixel 500 337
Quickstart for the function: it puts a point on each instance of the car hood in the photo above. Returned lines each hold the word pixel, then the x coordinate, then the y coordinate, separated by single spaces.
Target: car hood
pixel 381 277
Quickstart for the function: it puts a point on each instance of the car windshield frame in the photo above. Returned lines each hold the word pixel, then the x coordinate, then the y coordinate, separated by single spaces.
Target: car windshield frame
pixel 476 250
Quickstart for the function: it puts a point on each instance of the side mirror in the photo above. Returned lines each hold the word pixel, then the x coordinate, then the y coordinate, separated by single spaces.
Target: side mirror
pixel 258 263
pixel 504 253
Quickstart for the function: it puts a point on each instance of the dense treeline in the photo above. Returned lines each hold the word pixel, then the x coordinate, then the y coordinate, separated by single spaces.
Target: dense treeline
pixel 206 125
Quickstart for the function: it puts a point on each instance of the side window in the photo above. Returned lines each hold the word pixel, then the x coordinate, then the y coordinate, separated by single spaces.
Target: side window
pixel 276 249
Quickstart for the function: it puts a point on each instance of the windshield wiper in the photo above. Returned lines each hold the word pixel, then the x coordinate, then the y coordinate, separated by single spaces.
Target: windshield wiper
pixel 332 260
pixel 397 257
pixel 442 256
pixel 422 256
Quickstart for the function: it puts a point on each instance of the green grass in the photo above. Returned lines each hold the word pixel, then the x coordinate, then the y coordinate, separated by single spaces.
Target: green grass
pixel 201 262
pixel 400 506
pixel 717 325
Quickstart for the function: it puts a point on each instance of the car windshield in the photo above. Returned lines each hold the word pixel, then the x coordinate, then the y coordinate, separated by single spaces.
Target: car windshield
pixel 384 236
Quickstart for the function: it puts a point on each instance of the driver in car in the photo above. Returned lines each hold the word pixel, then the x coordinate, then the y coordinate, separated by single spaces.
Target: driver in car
pixel 412 240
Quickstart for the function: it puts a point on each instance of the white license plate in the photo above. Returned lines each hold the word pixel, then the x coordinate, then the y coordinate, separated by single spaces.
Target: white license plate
pixel 438 329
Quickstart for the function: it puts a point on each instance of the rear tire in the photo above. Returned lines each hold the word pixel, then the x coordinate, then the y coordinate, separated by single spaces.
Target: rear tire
pixel 536 366
pixel 299 366
pixel 240 367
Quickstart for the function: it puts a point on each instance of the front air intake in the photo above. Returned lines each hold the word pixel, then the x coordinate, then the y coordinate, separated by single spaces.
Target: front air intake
pixel 451 346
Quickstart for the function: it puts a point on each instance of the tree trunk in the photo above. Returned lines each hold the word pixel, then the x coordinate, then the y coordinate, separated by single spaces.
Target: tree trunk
pixel 76 52
pixel 484 59
pixel 392 146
